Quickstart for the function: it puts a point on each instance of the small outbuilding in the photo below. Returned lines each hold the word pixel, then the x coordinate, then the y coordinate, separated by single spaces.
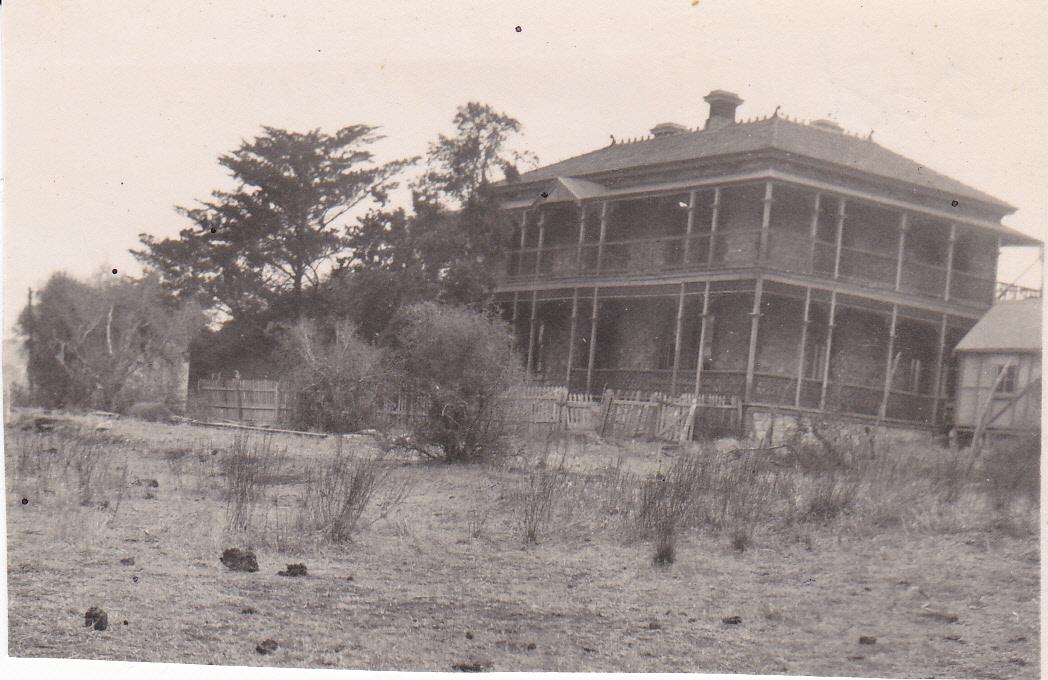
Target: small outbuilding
pixel 999 371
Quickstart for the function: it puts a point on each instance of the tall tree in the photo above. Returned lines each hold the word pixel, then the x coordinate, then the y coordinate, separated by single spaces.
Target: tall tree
pixel 449 246
pixel 461 165
pixel 272 236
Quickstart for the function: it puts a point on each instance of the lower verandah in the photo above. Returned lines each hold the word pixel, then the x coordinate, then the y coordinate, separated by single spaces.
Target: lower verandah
pixel 874 360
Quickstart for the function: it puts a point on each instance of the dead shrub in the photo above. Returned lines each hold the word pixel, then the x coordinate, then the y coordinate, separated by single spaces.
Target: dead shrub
pixel 829 496
pixel 534 499
pixel 248 469
pixel 341 489
pixel 665 545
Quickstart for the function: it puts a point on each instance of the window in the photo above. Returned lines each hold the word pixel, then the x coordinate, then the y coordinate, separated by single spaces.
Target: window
pixel 1007 379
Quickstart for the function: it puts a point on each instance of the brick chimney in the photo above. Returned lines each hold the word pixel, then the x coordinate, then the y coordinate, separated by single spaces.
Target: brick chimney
pixel 722 108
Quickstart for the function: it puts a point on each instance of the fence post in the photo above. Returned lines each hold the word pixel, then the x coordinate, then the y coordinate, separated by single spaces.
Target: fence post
pixel 240 402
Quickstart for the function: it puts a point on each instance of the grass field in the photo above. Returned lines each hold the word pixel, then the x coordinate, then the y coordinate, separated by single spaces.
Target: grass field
pixel 938 563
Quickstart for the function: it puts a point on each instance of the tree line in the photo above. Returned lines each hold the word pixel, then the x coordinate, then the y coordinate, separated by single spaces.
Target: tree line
pixel 305 254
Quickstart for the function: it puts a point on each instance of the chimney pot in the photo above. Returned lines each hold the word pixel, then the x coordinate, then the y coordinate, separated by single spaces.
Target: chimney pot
pixel 827 124
pixel 722 108
pixel 664 129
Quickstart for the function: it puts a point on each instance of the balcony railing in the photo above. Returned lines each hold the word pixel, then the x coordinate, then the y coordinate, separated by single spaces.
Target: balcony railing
pixel 786 251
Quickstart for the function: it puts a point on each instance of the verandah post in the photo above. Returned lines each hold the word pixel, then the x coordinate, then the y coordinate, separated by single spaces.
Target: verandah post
pixel 531 331
pixel 677 341
pixel 814 233
pixel 903 228
pixel 888 369
pixel 714 218
pixel 937 371
pixel 949 261
pixel 841 214
pixel 829 350
pixel 751 357
pixel 592 342
pixel 702 338
pixel 762 248
pixel 801 352
pixel 571 334
pixel 686 255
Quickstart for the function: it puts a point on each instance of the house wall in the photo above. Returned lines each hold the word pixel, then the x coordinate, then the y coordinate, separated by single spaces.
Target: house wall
pixel 977 374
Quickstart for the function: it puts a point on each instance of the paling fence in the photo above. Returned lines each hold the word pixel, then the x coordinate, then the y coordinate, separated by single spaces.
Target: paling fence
pixel 267 402
pixel 530 409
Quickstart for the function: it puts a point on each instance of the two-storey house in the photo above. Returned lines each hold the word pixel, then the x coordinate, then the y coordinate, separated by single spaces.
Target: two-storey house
pixel 792 264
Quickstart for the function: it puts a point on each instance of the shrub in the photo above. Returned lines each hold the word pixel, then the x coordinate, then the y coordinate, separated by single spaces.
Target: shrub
pixel 459 363
pixel 534 499
pixel 248 468
pixel 336 375
pixel 340 490
pixel 1012 471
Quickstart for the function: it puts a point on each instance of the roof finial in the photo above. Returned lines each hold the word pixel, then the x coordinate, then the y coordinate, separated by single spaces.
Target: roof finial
pixel 775 113
pixel 613 140
pixel 869 137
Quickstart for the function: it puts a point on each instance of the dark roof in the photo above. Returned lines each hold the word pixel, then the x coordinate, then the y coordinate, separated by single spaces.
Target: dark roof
pixel 776 133
pixel 1012 326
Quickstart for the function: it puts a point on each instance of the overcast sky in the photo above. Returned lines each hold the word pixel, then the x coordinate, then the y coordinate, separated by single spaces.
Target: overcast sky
pixel 114 111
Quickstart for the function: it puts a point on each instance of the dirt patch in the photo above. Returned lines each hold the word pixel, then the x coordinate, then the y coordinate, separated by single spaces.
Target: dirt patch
pixel 267 646
pixel 151 411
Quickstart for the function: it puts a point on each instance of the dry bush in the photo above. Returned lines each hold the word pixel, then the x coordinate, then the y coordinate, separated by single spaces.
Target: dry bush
pixel 1012 472
pixel 70 470
pixel 829 496
pixel 341 489
pixel 477 520
pixel 248 469
pixel 534 499
pixel 336 375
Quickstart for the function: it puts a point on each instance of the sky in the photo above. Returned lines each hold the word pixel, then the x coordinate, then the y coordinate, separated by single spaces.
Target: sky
pixel 116 111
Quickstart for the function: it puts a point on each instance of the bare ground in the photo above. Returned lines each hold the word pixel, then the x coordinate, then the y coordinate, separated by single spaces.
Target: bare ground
pixel 417 591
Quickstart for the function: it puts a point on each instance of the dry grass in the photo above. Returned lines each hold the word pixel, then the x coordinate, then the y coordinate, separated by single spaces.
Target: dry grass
pixel 637 561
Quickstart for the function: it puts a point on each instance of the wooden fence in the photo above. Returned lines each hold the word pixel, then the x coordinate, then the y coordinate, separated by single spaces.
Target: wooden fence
pixel 246 401
pixel 534 409
pixel 540 410
pixel 660 416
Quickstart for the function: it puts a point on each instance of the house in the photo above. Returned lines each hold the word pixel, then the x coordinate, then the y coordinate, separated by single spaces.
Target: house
pixel 793 265
pixel 999 371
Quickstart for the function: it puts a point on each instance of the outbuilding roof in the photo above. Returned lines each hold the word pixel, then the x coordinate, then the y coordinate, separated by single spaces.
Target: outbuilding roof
pixel 1011 326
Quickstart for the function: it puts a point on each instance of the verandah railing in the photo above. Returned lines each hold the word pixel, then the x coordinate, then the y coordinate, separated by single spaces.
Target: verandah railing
pixel 787 250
